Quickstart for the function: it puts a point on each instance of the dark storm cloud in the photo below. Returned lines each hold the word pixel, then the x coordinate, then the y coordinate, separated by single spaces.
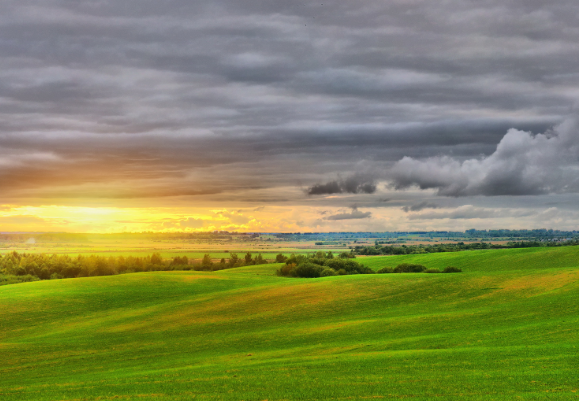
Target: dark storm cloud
pixel 356 184
pixel 353 215
pixel 157 99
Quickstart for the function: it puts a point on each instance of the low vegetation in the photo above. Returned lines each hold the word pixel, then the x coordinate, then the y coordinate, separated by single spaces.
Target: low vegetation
pixel 322 264
pixel 325 264
pixel 416 268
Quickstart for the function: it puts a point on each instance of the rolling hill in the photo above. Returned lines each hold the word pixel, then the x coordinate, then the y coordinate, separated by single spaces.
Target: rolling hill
pixel 504 329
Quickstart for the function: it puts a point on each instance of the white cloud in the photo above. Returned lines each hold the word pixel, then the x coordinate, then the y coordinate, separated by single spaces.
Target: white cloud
pixel 522 164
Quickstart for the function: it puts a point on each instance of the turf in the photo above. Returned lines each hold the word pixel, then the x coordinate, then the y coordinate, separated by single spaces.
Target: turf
pixel 504 329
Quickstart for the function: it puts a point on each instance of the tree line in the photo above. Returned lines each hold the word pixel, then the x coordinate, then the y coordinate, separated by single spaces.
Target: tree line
pixel 21 267
pixel 379 249
pixel 207 263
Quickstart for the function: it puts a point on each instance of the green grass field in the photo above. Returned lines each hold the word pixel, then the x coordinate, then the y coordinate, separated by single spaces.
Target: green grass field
pixel 507 328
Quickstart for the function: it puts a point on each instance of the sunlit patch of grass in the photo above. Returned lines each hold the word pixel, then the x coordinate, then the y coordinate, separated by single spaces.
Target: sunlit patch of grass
pixel 540 283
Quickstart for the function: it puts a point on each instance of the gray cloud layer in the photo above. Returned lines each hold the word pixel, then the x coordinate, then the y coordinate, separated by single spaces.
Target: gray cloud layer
pixel 471 212
pixel 133 99
pixel 355 184
pixel 420 206
pixel 353 215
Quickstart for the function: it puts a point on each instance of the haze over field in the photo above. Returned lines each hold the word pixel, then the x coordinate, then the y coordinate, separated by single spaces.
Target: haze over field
pixel 266 116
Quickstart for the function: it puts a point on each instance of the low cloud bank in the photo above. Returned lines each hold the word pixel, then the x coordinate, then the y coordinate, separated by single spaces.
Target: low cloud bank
pixel 356 184
pixel 191 222
pixel 468 212
pixel 353 215
pixel 522 164
pixel 420 206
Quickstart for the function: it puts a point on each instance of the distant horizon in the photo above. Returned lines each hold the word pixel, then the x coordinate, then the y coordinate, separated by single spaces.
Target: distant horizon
pixel 294 233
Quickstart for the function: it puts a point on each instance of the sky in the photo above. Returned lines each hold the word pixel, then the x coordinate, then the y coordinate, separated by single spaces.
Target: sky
pixel 293 116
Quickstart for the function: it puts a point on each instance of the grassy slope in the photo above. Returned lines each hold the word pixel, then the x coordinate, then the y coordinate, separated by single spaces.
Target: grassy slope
pixel 487 260
pixel 504 329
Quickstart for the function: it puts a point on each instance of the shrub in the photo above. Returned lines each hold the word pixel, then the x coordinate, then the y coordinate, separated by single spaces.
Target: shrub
pixel 308 270
pixel 321 265
pixel 451 269
pixel 409 268
pixel 432 271
pixel 349 265
pixel 12 279
pixel 27 278
pixel 327 272
pixel 385 270
pixel 286 270
pixel 347 255
pixel 280 258
pixel 217 267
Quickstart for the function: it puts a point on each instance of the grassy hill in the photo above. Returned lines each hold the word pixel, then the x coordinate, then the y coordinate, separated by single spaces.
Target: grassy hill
pixel 504 329
pixel 486 261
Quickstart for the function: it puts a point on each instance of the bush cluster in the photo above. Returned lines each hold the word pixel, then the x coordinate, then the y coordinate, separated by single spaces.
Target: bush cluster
pixel 321 265
pixel 415 268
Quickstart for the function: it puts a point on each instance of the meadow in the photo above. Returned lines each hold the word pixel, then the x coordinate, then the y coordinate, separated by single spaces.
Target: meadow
pixel 167 248
pixel 503 329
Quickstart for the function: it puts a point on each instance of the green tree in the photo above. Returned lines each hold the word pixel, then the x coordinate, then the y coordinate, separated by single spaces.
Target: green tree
pixel 233 259
pixel 206 262
pixel 156 259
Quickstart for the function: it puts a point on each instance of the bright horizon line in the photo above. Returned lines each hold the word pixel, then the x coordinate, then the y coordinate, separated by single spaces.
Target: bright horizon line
pixel 280 232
